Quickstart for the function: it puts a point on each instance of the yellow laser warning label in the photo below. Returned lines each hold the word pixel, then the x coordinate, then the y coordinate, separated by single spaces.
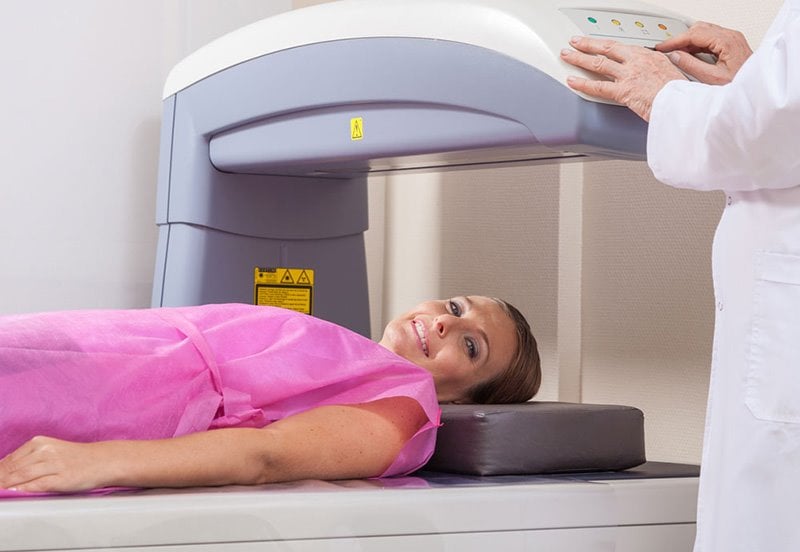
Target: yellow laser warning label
pixel 288 288
pixel 357 128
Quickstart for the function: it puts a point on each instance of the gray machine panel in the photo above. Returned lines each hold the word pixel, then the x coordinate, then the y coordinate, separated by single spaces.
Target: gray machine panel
pixel 312 141
pixel 417 97
pixel 259 167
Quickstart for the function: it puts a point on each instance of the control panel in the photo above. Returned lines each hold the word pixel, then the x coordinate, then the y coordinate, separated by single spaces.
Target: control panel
pixel 630 28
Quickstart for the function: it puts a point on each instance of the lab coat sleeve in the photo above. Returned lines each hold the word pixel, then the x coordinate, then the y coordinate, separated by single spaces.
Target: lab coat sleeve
pixel 738 137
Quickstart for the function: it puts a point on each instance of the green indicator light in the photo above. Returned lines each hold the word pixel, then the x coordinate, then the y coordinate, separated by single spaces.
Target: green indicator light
pixel 592 20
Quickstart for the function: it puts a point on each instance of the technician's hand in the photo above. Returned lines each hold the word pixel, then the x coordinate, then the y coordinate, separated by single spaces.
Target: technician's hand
pixel 45 464
pixel 636 74
pixel 730 48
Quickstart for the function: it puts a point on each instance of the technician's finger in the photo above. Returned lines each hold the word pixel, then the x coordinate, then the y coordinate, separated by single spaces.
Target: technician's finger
pixel 698 69
pixel 595 63
pixel 697 39
pixel 680 42
pixel 605 47
pixel 690 64
pixel 599 89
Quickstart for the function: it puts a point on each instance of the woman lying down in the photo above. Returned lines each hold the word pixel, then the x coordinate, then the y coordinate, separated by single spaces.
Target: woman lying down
pixel 93 399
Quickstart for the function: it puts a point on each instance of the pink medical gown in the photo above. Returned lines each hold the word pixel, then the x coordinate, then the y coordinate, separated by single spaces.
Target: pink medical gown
pixel 155 373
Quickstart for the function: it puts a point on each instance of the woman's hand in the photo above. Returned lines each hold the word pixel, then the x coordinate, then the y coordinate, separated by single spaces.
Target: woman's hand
pixel 44 464
pixel 728 46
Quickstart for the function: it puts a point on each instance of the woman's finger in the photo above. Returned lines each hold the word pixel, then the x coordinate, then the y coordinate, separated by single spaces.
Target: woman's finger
pixel 23 450
pixel 27 463
pixel 20 473
pixel 44 484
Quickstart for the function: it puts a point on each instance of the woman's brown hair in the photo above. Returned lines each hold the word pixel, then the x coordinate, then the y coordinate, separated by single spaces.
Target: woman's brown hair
pixel 521 379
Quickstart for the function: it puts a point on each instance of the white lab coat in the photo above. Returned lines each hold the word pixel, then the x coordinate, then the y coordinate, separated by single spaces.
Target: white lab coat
pixel 744 138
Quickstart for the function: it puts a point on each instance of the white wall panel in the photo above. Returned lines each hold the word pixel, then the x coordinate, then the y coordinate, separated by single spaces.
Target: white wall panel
pixel 81 113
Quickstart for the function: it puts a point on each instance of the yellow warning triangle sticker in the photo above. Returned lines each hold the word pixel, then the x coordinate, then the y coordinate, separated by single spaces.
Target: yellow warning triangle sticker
pixel 303 279
pixel 356 128
pixel 287 278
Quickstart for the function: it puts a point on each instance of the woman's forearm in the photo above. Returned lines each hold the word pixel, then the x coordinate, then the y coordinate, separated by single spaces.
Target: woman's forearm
pixel 209 458
pixel 332 442
pixel 221 457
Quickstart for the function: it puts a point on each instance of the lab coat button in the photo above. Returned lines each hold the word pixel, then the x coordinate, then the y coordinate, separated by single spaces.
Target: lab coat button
pixel 729 200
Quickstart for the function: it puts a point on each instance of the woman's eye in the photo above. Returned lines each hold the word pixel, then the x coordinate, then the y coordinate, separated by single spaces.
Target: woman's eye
pixel 472 348
pixel 455 308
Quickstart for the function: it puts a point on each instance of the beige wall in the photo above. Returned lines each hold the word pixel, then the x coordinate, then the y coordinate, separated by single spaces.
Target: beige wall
pixel 611 267
pixel 647 299
pixel 304 3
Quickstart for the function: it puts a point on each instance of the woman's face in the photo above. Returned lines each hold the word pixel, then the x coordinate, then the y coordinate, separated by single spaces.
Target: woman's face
pixel 461 341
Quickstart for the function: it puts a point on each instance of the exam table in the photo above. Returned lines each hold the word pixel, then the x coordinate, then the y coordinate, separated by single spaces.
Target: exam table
pixel 594 492
pixel 650 509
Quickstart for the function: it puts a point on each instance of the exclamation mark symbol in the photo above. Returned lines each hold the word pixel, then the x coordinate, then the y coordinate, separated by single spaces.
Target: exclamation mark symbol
pixel 356 128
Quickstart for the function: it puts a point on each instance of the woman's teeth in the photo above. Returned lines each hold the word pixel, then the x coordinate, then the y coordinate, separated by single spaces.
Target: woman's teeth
pixel 421 333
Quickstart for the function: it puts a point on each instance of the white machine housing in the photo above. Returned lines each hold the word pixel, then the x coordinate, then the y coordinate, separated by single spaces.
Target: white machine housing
pixel 530 31
pixel 261 165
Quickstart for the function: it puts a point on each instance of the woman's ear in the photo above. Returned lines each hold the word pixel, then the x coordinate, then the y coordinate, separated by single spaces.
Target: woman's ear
pixel 460 401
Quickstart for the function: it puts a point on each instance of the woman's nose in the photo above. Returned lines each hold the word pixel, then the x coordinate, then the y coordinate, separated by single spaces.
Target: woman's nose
pixel 443 323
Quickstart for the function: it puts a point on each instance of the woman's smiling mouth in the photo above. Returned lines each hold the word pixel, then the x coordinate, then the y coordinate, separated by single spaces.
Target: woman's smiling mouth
pixel 420 329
